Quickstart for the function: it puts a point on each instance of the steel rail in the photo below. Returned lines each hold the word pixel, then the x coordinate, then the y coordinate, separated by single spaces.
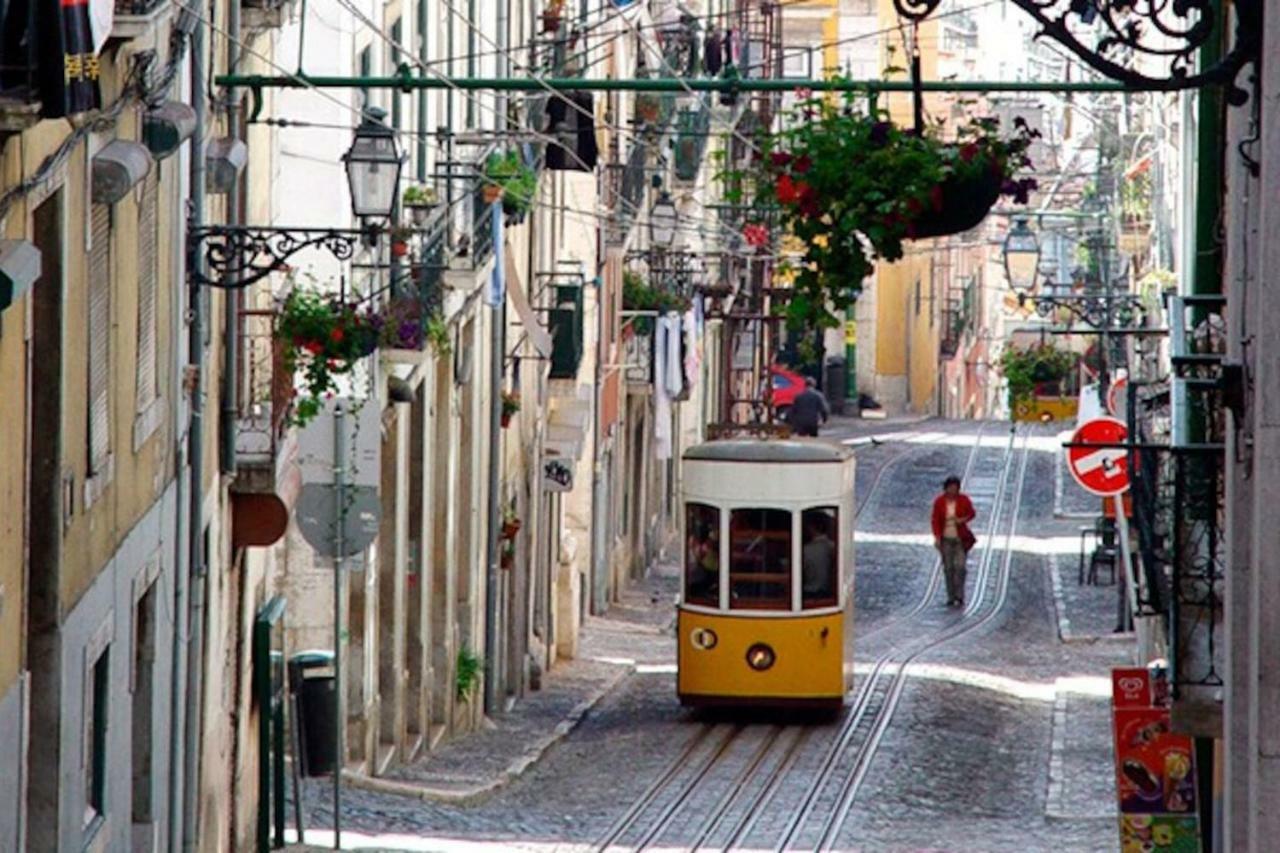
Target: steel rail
pixel 885 718
pixel 862 696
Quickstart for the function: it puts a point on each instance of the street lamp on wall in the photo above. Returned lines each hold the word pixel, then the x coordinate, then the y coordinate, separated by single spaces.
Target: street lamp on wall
pixel 1021 257
pixel 373 165
pixel 662 222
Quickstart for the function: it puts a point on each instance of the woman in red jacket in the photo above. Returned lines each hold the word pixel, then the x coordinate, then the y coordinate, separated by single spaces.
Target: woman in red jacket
pixel 952 512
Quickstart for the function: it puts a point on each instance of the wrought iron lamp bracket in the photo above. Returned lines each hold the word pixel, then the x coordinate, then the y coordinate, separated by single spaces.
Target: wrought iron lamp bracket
pixel 236 256
pixel 1171 31
pixel 1122 310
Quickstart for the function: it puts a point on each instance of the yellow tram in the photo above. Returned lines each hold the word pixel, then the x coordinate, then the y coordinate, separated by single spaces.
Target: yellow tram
pixel 766 605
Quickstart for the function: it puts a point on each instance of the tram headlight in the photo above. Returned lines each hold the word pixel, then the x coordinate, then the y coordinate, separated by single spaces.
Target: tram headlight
pixel 703 638
pixel 760 657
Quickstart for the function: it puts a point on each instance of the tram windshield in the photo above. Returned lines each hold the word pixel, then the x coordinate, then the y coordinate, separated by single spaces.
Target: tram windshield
pixel 760 559
pixel 702 555
pixel 819 557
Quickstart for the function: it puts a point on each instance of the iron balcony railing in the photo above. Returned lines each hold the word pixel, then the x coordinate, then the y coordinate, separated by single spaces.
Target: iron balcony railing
pixel 693 127
pixel 139 8
pixel 266 390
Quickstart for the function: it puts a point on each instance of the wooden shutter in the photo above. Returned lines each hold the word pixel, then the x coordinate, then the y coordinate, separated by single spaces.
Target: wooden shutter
pixel 99 332
pixel 148 272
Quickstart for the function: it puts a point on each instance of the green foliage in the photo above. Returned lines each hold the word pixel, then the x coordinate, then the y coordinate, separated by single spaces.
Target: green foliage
pixel 640 295
pixel 510 403
pixel 323 337
pixel 469 667
pixel 519 182
pixel 852 187
pixel 1135 198
pixel 415 196
pixel 1024 369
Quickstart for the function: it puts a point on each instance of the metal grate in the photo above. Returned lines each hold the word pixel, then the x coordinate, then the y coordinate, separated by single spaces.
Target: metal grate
pixel 99 337
pixel 148 272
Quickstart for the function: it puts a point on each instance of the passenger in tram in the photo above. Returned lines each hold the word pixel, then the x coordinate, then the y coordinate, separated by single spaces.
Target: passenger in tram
pixel 817 557
pixel 952 512
pixel 704 562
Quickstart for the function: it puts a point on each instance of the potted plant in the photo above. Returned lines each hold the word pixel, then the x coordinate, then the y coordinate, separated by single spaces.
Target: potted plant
pixel 852 187
pixel 516 184
pixel 510 405
pixel 322 337
pixel 552 15
pixel 1025 369
pixel 400 241
pixel 510 524
pixel 507 556
pixel 419 201
pixel 639 295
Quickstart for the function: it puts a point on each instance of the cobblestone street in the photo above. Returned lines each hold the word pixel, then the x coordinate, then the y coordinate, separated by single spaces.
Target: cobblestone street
pixel 985 729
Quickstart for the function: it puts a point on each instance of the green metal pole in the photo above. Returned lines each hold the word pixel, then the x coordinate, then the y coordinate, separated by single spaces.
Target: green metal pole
pixel 409 82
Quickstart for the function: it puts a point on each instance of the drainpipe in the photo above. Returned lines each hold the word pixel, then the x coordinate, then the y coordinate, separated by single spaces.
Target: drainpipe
pixel 497 344
pixel 231 297
pixel 186 699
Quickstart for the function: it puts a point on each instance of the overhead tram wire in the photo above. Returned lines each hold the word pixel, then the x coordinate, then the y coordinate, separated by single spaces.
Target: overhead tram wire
pixel 374 28
pixel 304 83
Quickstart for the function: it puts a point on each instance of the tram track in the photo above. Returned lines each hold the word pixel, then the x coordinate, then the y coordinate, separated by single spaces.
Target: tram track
pixel 875 697
pixel 747 792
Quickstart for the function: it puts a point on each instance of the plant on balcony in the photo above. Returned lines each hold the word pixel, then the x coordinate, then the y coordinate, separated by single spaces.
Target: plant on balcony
pixel 552 15
pixel 852 187
pixel 419 201
pixel 1025 369
pixel 510 405
pixel 510 523
pixel 515 182
pixel 323 337
pixel 400 236
pixel 640 295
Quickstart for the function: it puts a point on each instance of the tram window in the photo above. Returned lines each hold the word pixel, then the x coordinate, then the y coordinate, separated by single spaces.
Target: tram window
pixel 819 557
pixel 760 559
pixel 702 555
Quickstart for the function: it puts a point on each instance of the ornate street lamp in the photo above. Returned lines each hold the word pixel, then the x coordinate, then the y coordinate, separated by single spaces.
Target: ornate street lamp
pixel 373 165
pixel 236 256
pixel 1021 257
pixel 663 218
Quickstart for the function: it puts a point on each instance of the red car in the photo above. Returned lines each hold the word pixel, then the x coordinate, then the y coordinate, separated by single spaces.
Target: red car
pixel 787 385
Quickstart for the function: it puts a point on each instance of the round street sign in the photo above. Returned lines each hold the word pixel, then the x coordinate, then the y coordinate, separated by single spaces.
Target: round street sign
pixel 317 514
pixel 1102 470
pixel 1117 396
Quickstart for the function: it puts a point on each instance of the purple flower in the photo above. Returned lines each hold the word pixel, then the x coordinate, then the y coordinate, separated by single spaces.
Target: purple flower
pixel 879 135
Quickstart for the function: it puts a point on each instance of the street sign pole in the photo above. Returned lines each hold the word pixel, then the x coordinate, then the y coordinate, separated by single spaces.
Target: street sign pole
pixel 339 484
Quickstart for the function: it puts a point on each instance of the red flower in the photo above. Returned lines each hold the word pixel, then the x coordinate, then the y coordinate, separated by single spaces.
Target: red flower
pixel 755 234
pixel 808 200
pixel 935 197
pixel 337 335
pixel 780 158
pixel 313 347
pixel 914 206
pixel 786 190
pixel 802 164
pixel 968 151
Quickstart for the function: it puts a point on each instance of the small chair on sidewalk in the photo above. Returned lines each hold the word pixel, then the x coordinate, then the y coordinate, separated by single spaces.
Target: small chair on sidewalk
pixel 1105 553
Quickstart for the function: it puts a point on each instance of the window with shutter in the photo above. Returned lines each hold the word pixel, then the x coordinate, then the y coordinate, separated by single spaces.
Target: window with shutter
pixel 99 332
pixel 148 272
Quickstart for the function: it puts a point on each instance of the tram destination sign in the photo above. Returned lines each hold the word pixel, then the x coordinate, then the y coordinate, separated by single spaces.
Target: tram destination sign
pixel 1104 469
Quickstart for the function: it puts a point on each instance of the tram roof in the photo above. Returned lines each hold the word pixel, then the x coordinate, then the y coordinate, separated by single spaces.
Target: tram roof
pixel 769 450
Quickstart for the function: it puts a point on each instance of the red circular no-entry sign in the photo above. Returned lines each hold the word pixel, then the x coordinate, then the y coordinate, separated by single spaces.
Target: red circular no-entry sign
pixel 1103 470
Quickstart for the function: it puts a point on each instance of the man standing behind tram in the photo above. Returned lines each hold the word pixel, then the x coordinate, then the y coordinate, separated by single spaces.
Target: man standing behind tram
pixel 952 512
pixel 808 410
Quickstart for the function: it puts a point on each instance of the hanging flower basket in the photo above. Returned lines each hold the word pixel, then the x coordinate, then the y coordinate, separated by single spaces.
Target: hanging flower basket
pixel 323 337
pixel 491 193
pixel 510 527
pixel 850 188
pixel 399 248
pixel 515 182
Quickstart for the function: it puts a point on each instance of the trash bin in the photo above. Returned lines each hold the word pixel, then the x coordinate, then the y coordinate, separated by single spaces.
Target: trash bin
pixel 835 382
pixel 312 682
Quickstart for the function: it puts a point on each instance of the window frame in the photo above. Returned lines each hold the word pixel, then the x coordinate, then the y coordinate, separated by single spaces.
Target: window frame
pixel 837 586
pixel 717 604
pixel 726 594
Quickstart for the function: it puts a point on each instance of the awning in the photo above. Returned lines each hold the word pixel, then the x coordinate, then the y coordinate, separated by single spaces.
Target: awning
pixel 515 290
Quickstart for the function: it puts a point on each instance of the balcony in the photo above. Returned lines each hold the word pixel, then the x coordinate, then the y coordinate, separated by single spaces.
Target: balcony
pixel 263 15
pixel 693 128
pixel 19 95
pixel 624 189
pixel 136 19
pixel 267 478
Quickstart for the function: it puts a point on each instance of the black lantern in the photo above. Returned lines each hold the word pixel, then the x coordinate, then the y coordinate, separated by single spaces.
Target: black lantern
pixel 662 222
pixel 373 167
pixel 1021 257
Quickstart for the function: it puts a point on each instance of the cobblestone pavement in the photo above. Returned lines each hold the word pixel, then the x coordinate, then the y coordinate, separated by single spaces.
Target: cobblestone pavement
pixel 995 738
